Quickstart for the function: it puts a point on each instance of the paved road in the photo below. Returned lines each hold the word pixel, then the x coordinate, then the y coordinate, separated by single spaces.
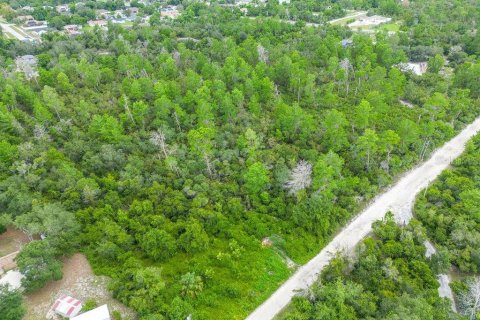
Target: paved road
pixel 399 199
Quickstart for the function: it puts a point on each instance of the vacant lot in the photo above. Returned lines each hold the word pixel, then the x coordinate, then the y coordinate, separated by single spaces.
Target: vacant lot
pixel 79 282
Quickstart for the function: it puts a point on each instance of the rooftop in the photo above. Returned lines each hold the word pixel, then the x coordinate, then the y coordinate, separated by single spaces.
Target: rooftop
pixel 100 313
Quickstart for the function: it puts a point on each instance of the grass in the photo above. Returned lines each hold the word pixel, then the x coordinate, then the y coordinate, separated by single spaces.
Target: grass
pixel 394 27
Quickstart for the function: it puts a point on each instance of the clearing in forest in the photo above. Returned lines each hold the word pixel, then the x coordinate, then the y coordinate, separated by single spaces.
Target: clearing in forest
pixel 79 282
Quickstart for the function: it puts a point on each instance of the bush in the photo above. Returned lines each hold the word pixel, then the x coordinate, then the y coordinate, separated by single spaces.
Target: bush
pixel 90 304
pixel 116 315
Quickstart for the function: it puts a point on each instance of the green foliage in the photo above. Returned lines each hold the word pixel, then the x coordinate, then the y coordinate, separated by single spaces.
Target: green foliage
pixel 37 263
pixel 389 279
pixel 158 244
pixel 192 284
pixel 11 307
pixel 150 150
pixel 256 178
pixel 449 210
pixel 89 304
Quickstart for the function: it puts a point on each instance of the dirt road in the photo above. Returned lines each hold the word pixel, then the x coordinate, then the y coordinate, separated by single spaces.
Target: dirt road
pixel 398 199
pixel 8 29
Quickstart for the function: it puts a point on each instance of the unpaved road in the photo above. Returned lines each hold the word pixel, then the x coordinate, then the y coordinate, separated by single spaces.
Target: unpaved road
pixel 399 199
pixel 8 29
pixel 348 17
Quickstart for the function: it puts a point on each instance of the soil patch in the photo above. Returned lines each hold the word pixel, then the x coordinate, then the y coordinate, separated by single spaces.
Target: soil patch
pixel 12 240
pixel 79 282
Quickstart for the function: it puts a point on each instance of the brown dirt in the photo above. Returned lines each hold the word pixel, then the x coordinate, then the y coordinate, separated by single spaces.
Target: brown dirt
pixel 79 282
pixel 11 240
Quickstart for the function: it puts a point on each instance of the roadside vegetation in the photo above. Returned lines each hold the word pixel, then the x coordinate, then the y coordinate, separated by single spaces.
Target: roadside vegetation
pixel 389 279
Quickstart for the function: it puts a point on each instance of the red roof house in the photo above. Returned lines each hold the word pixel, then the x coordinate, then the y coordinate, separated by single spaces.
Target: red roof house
pixel 67 306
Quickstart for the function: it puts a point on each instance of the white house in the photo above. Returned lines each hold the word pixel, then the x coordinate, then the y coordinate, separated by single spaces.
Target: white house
pixel 100 313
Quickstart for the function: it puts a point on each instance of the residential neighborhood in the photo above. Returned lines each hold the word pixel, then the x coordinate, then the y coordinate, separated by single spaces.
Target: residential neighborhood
pixel 71 18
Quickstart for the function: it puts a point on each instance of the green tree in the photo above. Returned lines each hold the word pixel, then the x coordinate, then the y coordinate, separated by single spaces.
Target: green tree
pixel 201 142
pixel 158 244
pixel 194 238
pixel 38 264
pixel 367 146
pixel 435 64
pixel 11 304
pixel 334 134
pixel 63 83
pixel 58 225
pixel 106 128
pixel 362 115
pixel 256 178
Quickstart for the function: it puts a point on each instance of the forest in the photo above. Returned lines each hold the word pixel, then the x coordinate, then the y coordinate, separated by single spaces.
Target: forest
pixel 168 153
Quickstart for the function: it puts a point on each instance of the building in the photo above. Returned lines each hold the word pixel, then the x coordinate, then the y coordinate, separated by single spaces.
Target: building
pixel 64 9
pixel 100 313
pixel 72 29
pixel 67 307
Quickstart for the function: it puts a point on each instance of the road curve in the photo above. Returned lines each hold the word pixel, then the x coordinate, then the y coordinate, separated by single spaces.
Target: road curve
pixel 398 199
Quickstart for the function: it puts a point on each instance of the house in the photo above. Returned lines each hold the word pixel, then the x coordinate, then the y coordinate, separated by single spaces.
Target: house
pixel 67 307
pixel 63 9
pixel 100 313
pixel 98 23
pixel 72 29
